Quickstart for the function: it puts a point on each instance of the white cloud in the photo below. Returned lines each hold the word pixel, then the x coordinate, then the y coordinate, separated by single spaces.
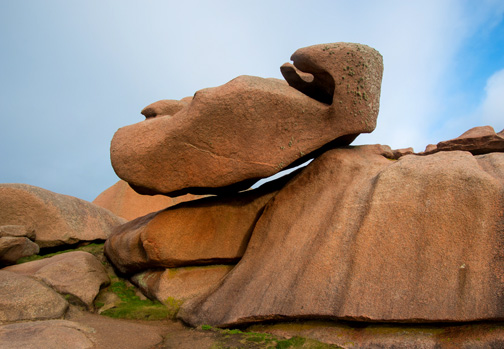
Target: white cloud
pixel 492 107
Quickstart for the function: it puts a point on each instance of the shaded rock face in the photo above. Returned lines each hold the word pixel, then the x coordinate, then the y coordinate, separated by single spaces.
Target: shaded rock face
pixel 56 219
pixel 230 136
pixel 478 140
pixel 358 236
pixel 212 230
pixel 14 248
pixel 23 298
pixel 124 202
pixel 75 273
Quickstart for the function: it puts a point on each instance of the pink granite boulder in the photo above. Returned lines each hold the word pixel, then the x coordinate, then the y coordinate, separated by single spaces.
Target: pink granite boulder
pixel 232 135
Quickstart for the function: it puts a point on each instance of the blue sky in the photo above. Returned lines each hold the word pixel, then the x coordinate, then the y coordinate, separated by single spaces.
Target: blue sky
pixel 73 72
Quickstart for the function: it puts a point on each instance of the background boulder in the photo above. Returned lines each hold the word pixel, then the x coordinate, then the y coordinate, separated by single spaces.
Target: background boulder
pixel 124 202
pixel 56 219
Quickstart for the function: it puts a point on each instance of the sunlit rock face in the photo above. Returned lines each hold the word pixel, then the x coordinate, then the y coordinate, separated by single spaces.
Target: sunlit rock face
pixel 212 230
pixel 229 136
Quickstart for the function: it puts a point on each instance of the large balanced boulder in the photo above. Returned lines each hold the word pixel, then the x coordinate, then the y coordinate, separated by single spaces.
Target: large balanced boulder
pixel 358 236
pixel 23 298
pixel 230 136
pixel 124 202
pixel 211 230
pixel 56 219
pixel 76 273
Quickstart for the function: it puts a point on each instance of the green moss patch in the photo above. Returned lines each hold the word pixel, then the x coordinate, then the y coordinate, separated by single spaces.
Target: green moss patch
pixel 132 307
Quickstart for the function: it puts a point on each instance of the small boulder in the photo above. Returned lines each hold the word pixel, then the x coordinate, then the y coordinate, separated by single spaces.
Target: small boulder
pixel 14 248
pixel 77 273
pixel 124 202
pixel 402 152
pixel 57 219
pixel 180 283
pixel 430 149
pixel 23 298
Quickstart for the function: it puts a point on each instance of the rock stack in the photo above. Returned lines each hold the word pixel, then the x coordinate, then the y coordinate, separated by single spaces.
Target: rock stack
pixel 362 233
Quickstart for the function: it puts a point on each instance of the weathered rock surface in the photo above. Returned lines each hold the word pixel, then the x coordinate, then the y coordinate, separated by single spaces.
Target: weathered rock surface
pixel 180 283
pixel 14 248
pixel 211 230
pixel 76 273
pixel 23 298
pixel 54 334
pixel 358 236
pixel 230 136
pixel 478 140
pixel 57 219
pixel 124 202
pixel 85 330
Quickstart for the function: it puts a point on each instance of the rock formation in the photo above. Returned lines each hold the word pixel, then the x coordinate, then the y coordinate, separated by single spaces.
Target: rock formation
pixel 362 233
pixel 232 135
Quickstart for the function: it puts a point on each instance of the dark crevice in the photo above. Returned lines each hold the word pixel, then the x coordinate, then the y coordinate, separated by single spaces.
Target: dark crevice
pixel 319 86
